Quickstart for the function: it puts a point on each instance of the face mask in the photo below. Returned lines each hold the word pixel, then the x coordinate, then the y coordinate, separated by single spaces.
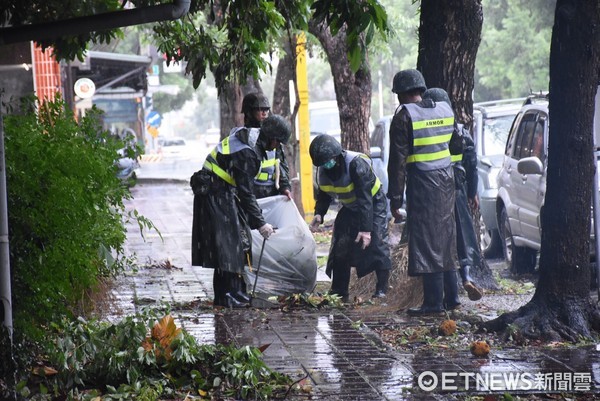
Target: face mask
pixel 329 165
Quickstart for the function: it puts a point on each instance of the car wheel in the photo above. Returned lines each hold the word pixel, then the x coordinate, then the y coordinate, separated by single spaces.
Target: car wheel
pixel 520 259
pixel 491 244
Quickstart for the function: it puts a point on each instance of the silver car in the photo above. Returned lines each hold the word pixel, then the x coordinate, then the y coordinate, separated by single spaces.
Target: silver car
pixel 522 187
pixel 491 124
pixel 380 149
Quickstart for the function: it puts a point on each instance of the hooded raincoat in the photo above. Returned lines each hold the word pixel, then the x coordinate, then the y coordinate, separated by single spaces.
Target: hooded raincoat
pixel 364 209
pixel 225 209
pixel 420 135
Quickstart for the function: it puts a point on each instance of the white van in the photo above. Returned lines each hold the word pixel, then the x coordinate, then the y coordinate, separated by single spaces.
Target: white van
pixel 324 119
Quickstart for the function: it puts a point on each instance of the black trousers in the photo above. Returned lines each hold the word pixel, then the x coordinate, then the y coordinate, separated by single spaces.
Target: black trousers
pixel 226 282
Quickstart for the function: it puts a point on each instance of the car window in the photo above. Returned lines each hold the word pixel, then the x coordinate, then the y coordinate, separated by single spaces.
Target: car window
pixel 378 135
pixel 495 133
pixel 324 120
pixel 524 137
pixel 537 148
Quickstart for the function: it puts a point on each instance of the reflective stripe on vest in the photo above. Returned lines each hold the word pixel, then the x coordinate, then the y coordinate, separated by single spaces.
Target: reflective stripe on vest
pixel 456 158
pixel 432 130
pixel 267 169
pixel 227 146
pixel 343 188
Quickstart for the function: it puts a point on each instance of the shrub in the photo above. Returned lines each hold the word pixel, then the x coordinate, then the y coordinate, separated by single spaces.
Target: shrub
pixel 92 360
pixel 66 211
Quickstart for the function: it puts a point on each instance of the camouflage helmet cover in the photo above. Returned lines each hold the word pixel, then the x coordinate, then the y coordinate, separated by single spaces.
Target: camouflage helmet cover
pixel 408 80
pixel 437 95
pixel 276 127
pixel 324 148
pixel 253 101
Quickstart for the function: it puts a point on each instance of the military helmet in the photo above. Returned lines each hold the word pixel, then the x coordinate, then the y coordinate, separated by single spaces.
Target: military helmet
pixel 324 148
pixel 276 127
pixel 408 80
pixel 437 95
pixel 253 101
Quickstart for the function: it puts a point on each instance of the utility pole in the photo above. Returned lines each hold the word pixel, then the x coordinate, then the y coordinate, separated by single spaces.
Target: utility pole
pixel 5 293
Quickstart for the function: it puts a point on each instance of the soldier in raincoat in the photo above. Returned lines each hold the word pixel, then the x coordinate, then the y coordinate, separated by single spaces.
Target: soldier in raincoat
pixel 465 180
pixel 273 178
pixel 225 209
pixel 420 136
pixel 255 108
pixel 360 229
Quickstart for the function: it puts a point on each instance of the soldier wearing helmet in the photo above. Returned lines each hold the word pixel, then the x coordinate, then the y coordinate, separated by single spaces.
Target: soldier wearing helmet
pixel 273 177
pixel 465 180
pixel 420 134
pixel 360 229
pixel 255 107
pixel 225 210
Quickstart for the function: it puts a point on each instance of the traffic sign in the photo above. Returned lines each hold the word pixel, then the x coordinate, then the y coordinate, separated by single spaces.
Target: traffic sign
pixel 154 119
pixel 84 88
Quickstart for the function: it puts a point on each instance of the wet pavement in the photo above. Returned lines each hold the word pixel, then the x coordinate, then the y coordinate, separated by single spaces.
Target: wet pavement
pixel 338 352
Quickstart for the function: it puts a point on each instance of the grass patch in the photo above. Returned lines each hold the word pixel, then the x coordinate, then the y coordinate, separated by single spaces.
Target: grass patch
pixel 514 286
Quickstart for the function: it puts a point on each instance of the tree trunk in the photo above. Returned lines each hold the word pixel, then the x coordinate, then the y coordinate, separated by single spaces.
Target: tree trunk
pixel 352 89
pixel 449 37
pixel 561 307
pixel 230 104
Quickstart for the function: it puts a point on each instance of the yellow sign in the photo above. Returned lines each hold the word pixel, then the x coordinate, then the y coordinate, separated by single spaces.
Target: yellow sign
pixel 153 131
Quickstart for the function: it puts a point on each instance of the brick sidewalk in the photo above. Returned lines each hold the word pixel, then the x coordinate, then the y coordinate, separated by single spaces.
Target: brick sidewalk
pixel 342 360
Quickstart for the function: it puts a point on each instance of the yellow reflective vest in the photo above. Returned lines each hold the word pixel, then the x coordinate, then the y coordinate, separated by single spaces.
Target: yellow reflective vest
pixel 432 130
pixel 266 175
pixel 343 188
pixel 227 146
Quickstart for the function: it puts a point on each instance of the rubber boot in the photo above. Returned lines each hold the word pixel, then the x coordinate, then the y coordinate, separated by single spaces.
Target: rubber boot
pixel 340 282
pixel 382 283
pixel 237 289
pixel 220 288
pixel 451 300
pixel 433 296
pixel 232 302
pixel 472 290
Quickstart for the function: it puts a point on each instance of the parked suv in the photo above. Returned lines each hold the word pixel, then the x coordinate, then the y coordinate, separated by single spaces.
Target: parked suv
pixel 522 186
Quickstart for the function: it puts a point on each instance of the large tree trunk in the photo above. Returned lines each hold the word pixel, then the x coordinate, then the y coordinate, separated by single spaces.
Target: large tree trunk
pixel 561 307
pixel 230 104
pixel 352 89
pixel 449 37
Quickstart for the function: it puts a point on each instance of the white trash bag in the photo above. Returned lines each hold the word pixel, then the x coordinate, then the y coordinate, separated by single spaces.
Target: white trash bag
pixel 289 259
